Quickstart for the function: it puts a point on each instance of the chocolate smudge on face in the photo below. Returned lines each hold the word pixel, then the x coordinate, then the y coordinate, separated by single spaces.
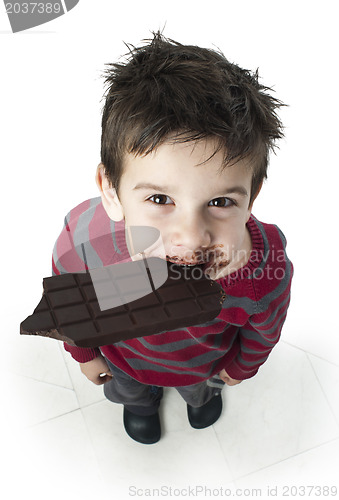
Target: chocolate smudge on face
pixel 200 257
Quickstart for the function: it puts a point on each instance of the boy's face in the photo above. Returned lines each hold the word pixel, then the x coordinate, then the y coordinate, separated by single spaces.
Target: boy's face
pixel 200 211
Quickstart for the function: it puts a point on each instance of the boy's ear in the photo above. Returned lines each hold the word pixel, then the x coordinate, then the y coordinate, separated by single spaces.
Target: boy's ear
pixel 109 195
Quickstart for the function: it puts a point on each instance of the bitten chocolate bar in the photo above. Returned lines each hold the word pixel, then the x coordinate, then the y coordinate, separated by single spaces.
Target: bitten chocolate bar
pixel 70 310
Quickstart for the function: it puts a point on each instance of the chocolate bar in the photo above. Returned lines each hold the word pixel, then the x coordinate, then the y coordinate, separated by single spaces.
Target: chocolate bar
pixel 69 309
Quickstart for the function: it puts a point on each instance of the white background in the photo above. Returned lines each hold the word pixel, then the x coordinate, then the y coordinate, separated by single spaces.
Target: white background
pixel 50 112
pixel 50 102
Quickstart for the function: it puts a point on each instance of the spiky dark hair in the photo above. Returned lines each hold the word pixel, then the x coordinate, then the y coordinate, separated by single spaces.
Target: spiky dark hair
pixel 190 93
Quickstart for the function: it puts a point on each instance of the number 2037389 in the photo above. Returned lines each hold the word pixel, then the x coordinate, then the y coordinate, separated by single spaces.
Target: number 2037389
pixel 32 7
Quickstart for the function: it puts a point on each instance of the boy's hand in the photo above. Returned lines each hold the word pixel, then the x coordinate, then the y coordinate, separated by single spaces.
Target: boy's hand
pixel 227 379
pixel 92 369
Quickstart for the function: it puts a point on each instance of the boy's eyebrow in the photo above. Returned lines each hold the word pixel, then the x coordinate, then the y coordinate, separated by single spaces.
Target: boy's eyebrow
pixel 230 190
pixel 237 190
pixel 149 185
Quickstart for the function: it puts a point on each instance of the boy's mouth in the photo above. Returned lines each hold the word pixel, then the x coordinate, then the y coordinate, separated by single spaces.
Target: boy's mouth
pixel 212 265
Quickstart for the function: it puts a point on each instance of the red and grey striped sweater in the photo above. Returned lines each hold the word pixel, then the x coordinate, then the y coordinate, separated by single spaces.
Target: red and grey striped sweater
pixel 239 340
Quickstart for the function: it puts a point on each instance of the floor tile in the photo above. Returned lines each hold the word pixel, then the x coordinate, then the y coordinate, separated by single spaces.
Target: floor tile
pixel 316 467
pixel 87 392
pixel 38 358
pixel 306 327
pixel 31 402
pixel 328 376
pixel 279 413
pixel 53 460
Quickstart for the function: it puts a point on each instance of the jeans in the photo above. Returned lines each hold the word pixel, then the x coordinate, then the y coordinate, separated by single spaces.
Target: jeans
pixel 145 399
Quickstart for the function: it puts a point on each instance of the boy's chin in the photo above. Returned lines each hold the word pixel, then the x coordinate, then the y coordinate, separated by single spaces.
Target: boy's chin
pixel 216 270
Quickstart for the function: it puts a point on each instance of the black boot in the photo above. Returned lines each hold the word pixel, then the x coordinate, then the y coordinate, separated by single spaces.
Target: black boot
pixel 205 415
pixel 142 428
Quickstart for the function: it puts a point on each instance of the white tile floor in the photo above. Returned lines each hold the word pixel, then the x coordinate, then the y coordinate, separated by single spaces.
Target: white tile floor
pixel 63 439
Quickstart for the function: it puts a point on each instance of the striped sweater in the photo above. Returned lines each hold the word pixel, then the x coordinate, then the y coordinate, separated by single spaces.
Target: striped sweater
pixel 239 340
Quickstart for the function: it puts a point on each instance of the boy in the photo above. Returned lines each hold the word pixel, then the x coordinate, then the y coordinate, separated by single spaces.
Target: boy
pixel 185 143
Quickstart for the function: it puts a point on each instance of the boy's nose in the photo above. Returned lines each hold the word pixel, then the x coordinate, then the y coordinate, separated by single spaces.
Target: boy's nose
pixel 189 236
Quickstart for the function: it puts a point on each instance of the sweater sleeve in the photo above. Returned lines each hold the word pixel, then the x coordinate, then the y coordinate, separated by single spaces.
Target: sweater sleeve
pixel 266 306
pixel 257 339
pixel 80 354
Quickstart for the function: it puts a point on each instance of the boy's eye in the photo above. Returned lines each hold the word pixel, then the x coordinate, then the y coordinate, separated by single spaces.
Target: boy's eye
pixel 221 202
pixel 160 199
